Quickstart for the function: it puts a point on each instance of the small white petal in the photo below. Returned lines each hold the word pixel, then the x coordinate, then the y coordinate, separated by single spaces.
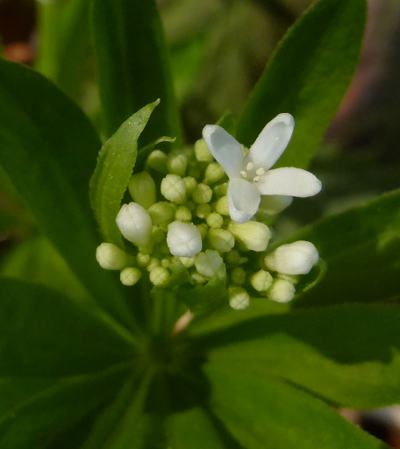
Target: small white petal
pixel 272 141
pixel 243 200
pixel 226 150
pixel 183 239
pixel 289 181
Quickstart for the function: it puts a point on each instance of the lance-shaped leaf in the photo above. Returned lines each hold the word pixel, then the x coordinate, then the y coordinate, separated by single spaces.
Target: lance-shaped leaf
pixel 265 413
pixel 132 65
pixel 48 148
pixel 307 76
pixel 113 171
pixel 348 354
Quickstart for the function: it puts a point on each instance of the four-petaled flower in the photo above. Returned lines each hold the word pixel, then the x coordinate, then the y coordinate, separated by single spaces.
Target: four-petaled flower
pixel 250 175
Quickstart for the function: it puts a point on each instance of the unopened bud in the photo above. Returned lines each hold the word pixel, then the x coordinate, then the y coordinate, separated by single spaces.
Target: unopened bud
pixel 130 276
pixel 208 263
pixel 214 173
pixel 221 206
pixel 157 234
pixel 110 257
pixel 281 291
pixel 202 210
pixel 135 224
pixel 143 259
pixel 183 239
pixel 261 281
pixel 253 235
pixel 143 189
pixel 154 262
pixel 239 299
pixel 221 189
pixel 183 214
pixel 202 152
pixel 221 240
pixel 202 194
pixel 238 276
pixel 159 276
pixel 293 258
pixel 157 160
pixel 203 229
pixel 190 183
pixel 173 188
pixel 177 164
pixel 215 220
pixel 187 261
pixel 162 213
pixel 198 278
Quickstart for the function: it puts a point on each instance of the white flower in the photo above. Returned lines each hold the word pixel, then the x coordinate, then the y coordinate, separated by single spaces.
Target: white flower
pixel 250 176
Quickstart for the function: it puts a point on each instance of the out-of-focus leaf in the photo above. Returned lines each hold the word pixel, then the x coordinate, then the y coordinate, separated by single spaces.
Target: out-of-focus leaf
pixel 48 149
pixel 307 76
pixel 265 413
pixel 63 43
pixel 361 248
pixel 348 354
pixel 132 65
pixel 113 171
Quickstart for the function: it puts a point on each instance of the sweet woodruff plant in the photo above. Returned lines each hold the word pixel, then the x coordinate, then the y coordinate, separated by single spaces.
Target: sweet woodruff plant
pixel 201 212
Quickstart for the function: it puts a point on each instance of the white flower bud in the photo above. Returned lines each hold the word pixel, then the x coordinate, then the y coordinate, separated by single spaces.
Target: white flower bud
pixel 187 261
pixel 208 263
pixel 159 276
pixel 293 258
pixel 238 276
pixel 215 220
pixel 135 224
pixel 162 212
pixel 221 206
pixel 261 281
pixel 239 299
pixel 157 160
pixel 173 188
pixel 130 276
pixel 202 194
pixel 183 214
pixel 190 183
pixel 110 257
pixel 177 164
pixel 221 240
pixel 281 291
pixel 143 189
pixel 202 152
pixel 253 235
pixel 183 239
pixel 214 173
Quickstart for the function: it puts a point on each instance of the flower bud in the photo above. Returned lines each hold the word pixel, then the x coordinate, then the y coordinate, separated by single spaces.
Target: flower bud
pixel 202 152
pixel 143 189
pixel 154 262
pixel 187 261
pixel 222 207
pixel 157 160
pixel 159 276
pixel 271 205
pixel 198 278
pixel 190 183
pixel 208 263
pixel 253 235
pixel 135 224
pixel 173 188
pixel 293 258
pixel 214 173
pixel 261 281
pixel 177 164
pixel 281 291
pixel 157 234
pixel 202 210
pixel 143 259
pixel 239 299
pixel 130 276
pixel 110 257
pixel 162 213
pixel 238 276
pixel 203 229
pixel 183 239
pixel 183 214
pixel 221 240
pixel 215 220
pixel 221 189
pixel 202 194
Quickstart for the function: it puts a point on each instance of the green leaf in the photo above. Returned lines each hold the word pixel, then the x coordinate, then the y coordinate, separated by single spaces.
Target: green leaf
pixel 63 43
pixel 265 413
pixel 48 149
pixel 133 66
pixel 348 354
pixel 307 76
pixel 113 171
pixel 361 248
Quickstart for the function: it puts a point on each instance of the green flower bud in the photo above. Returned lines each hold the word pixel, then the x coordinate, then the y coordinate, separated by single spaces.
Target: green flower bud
pixel 135 224
pixel 166 262
pixel 238 276
pixel 130 276
pixel 239 299
pixel 154 262
pixel 281 291
pixel 221 189
pixel 143 189
pixel 214 173
pixel 187 261
pixel 195 170
pixel 203 229
pixel 202 194
pixel 221 206
pixel 162 213
pixel 214 220
pixel 233 257
pixel 110 257
pixel 143 259
pixel 221 240
pixel 183 214
pixel 157 160
pixel 253 235
pixel 173 188
pixel 157 234
pixel 190 183
pixel 198 278
pixel 208 263
pixel 202 210
pixel 159 276
pixel 177 164
pixel 202 152
pixel 261 281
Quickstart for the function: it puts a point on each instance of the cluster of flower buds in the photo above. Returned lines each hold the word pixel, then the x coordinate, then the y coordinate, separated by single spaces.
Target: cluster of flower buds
pixel 184 218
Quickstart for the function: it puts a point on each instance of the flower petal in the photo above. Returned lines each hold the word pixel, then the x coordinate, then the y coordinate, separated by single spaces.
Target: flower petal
pixel 289 181
pixel 226 150
pixel 272 141
pixel 243 200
